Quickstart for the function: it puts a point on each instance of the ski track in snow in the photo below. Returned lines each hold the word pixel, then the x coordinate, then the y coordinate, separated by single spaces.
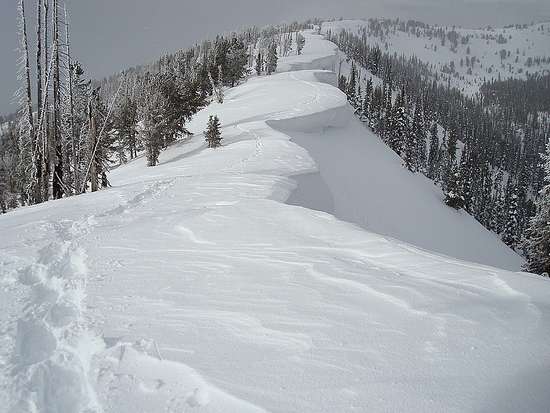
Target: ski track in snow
pixel 195 276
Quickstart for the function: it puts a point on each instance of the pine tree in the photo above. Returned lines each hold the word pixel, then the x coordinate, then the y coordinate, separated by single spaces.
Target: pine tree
pixel 213 134
pixel 365 114
pixel 510 232
pixel 433 156
pixel 537 243
pixel 217 87
pixel 259 64
pixel 237 63
pixel 415 145
pixel 3 189
pixel 272 58
pixel 300 43
pixel 421 139
pixel 453 195
pixel 375 110
pixel 151 114
pixel 100 142
pixel 125 124
pixel 352 86
pixel 342 83
pixel 465 179
pixel 450 155
pixel 498 202
pixel 398 126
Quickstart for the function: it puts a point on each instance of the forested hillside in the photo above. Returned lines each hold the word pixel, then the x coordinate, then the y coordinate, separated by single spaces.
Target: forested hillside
pixel 486 150
pixel 71 130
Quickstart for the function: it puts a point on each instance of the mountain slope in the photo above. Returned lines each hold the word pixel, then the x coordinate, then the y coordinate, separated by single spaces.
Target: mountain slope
pixel 527 50
pixel 194 286
pixel 361 181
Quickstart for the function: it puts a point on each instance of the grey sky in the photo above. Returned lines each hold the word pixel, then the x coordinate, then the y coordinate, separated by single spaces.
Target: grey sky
pixel 109 35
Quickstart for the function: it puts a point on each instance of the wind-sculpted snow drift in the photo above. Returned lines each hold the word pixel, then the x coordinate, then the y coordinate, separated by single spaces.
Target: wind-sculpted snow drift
pixel 193 286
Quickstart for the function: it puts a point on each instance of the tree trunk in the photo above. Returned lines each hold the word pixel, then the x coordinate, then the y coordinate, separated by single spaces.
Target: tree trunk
pixel 57 140
pixel 28 90
pixel 72 132
pixel 38 144
pixel 47 146
pixel 92 142
pixel 31 189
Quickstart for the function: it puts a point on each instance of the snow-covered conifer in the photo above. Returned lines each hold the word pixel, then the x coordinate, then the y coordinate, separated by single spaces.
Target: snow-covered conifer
pixel 272 58
pixel 300 43
pixel 537 243
pixel 453 195
pixel 213 135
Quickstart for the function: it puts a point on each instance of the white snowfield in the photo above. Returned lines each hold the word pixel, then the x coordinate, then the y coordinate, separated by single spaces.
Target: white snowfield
pixel 194 286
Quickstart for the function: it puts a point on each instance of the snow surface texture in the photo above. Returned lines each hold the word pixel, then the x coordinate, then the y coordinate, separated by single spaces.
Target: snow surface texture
pixel 531 42
pixel 193 286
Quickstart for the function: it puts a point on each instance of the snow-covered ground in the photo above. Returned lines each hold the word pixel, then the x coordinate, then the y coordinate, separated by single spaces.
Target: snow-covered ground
pixel 522 44
pixel 196 286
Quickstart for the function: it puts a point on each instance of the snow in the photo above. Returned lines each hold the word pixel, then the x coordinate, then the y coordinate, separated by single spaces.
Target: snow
pixel 530 41
pixel 196 286
pixel 369 186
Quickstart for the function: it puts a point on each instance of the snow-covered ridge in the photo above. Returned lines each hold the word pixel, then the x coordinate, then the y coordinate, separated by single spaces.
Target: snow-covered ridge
pixel 210 293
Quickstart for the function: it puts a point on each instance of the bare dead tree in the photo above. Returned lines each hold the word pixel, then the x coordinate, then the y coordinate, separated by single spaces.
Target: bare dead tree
pixel 57 159
pixel 27 132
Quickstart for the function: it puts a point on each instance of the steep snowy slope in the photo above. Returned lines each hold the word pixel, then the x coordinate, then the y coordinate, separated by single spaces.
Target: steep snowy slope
pixel 524 47
pixel 193 286
pixel 361 181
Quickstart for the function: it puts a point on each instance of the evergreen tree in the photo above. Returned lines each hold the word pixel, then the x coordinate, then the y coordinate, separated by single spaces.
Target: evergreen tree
pixel 465 179
pixel 125 124
pixel 510 232
pixel 259 63
pixel 415 146
pixel 537 243
pixel 343 83
pixel 237 63
pixel 453 195
pixel 398 126
pixel 300 43
pixel 498 201
pixel 213 134
pixel 420 133
pixel 272 58
pixel 151 119
pixel 100 142
pixel 366 101
pixel 450 156
pixel 351 88
pixel 375 110
pixel 433 156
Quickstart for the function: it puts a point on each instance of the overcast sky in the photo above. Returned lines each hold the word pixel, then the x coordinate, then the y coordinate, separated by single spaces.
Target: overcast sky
pixel 109 35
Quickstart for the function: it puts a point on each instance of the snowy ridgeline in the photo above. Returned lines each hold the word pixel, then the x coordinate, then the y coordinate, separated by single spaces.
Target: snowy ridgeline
pixel 196 286
pixel 466 58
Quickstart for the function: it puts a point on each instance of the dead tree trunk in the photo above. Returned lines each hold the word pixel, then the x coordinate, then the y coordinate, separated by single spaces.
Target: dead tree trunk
pixel 47 144
pixel 39 150
pixel 57 184
pixel 27 122
pixel 92 143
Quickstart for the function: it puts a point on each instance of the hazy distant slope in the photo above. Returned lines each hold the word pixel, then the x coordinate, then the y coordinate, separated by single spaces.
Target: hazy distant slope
pixel 523 43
